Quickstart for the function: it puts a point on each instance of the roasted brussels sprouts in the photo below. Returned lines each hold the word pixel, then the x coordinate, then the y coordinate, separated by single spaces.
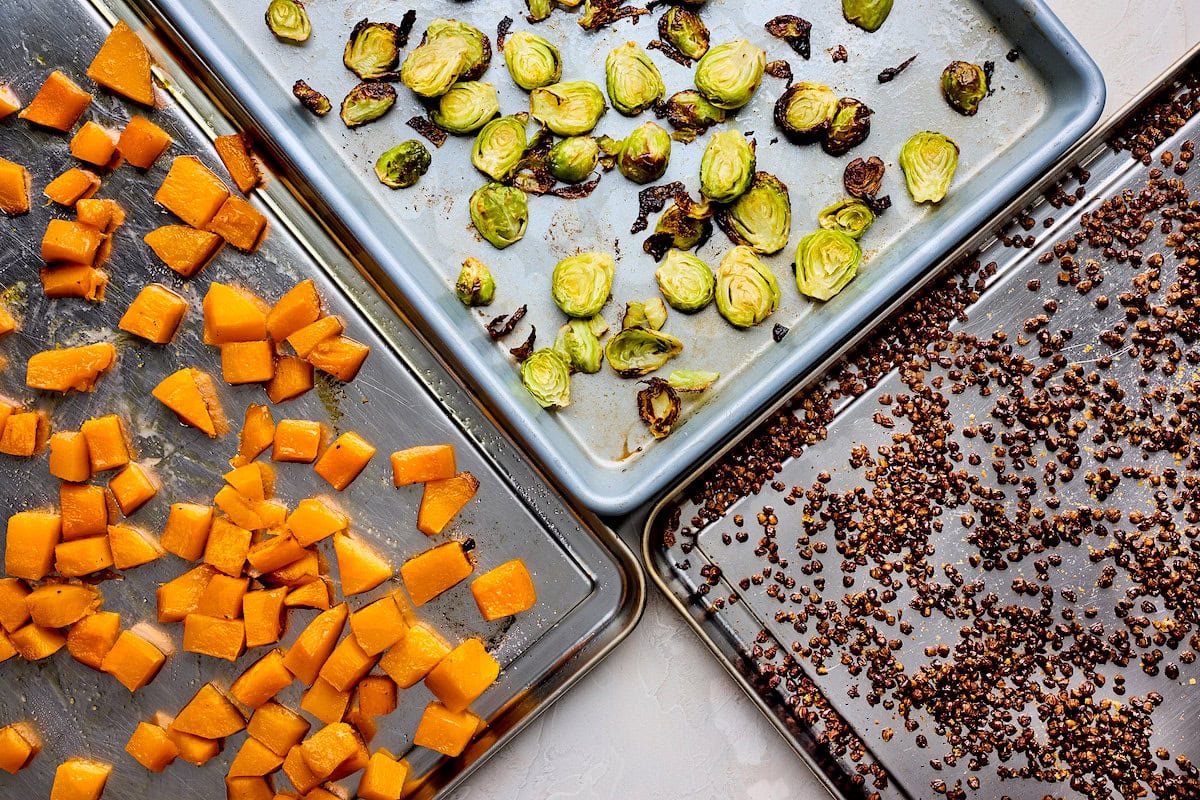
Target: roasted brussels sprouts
pixel 825 262
pixel 598 13
pixel 685 31
pixel 499 146
pixel 658 406
pixel 466 107
pixel 645 153
pixel 581 283
pixel 866 14
pixel 311 99
pixel 580 345
pixel 573 159
pixel 532 61
pixel 570 108
pixel 685 280
pixel 288 20
pixel 727 166
pixel 451 51
pixel 929 161
pixel 849 127
pixel 690 113
pixel 500 213
pixel 687 380
pixel 547 376
pixel 761 218
pixel 539 9
pixel 850 216
pixel 730 73
pixel 863 179
pixel 475 285
pixel 964 85
pixel 634 83
pixel 651 314
pixel 373 50
pixel 635 352
pixel 805 111
pixel 367 102
pixel 403 165
pixel 685 230
pixel 746 289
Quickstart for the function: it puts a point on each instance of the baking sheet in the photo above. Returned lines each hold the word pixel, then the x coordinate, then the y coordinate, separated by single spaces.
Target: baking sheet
pixel 843 736
pixel 418 239
pixel 590 590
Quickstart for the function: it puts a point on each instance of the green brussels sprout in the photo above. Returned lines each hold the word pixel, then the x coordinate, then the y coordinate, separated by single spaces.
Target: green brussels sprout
pixel 929 161
pixel 500 213
pixel 373 50
pixel 532 61
pixel 499 146
pixel 635 352
pixel 866 14
pixel 690 113
pixel 761 218
pixel 685 280
pixel 687 230
pixel 579 344
pixel 805 111
pixel 581 283
pixel 451 51
pixel 964 85
pixel 850 216
pixel 634 83
pixel 746 291
pixel 651 314
pixel 466 107
pixel 403 165
pixel 475 285
pixel 539 9
pixel 658 406
pixel 288 20
pixel 311 99
pixel 687 380
pixel 573 159
pixel 730 73
pixel 685 31
pixel 727 167
pixel 571 108
pixel 367 102
pixel 826 261
pixel 850 126
pixel 547 377
pixel 479 46
pixel 645 153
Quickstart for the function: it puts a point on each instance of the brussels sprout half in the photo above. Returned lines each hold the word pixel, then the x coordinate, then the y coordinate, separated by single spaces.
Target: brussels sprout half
pixel 746 290
pixel 658 406
pixel 645 153
pixel 686 230
pixel 730 73
pixel 825 262
pixel 403 165
pixel 581 284
pixel 367 102
pixel 573 159
pixel 685 280
pixel 451 51
pixel 475 285
pixel 849 127
pixel 500 214
pixel 850 216
pixel 547 377
pixel 571 108
pixel 866 14
pixel 805 111
pixel 636 352
pixel 964 85
pixel 288 20
pixel 690 113
pixel 532 61
pixel 499 146
pixel 311 99
pixel 727 166
pixel 466 107
pixel 761 218
pixel 929 161
pixel 580 345
pixel 685 31
pixel 634 82
pixel 373 50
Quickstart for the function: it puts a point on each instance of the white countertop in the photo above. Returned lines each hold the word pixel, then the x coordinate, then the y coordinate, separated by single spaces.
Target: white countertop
pixel 660 718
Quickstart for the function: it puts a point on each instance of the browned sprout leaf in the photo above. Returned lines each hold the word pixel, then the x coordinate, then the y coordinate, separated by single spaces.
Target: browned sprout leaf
pixel 839 54
pixel 406 26
pixel 668 50
pixel 651 200
pixel 436 136
pixel 862 179
pixel 598 13
pixel 311 99
pixel 889 74
pixel 525 350
pixel 779 69
pixel 503 325
pixel 793 30
pixel 502 32
pixel 658 406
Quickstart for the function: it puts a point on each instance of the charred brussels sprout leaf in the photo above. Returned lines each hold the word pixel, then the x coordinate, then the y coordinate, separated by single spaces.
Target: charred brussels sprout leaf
pixel 634 82
pixel 761 218
pixel 532 61
pixel 658 406
pixel 636 352
pixel 547 377
pixel 581 283
pixel 825 262
pixel 686 281
pixel 929 161
pixel 690 113
pixel 805 111
pixel 685 31
pixel 580 345
pixel 499 146
pixel 645 153
pixel 466 107
pixel 571 108
pixel 288 20
pixel 574 159
pixel 793 30
pixel 373 50
pixel 964 86
pixel 311 99
pixel 863 179
pixel 850 216
pixel 849 127
pixel 730 73
pixel 367 102
pixel 451 51
pixel 866 14
pixel 500 214
pixel 746 291
pixel 403 165
pixel 727 166
pixel 686 380
pixel 475 285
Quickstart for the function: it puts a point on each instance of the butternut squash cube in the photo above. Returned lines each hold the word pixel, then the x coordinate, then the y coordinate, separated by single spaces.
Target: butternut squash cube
pixel 73 242
pixel 87 510
pixel 261 681
pixel 239 223
pixel 179 597
pixel 304 570
pixel 277 727
pixel 410 659
pixel 342 462
pixel 154 314
pixel 132 547
pixel 72 186
pixel 314 594
pixel 13 613
pixel 293 377
pixel 133 487
pixel 191 192
pixel 80 779
pixel 235 154
pixel 151 747
pixel 377 695
pixel 274 553
pixel 133 661
pixel 298 774
pixel 246 787
pixel 239 510
pixel 255 482
pixel 310 650
pixel 505 590
pixel 183 248
pixel 142 142
pixel 314 520
pixel 232 314
pixel 90 639
pixel 107 443
pixel 347 665
pixel 442 500
pixel 103 214
pixel 223 597
pixel 210 636
pixel 15 184
pixel 192 395
pixel 445 731
pixel 463 675
pixel 254 759
pixel 34 643
pixel 7 650
pixel 325 702
pixel 256 435
pixel 19 745
pixel 227 547
pixel 379 625
pixel 25 433
pixel 94 144
pixel 329 748
pixel 186 531
pixel 123 65
pixel 57 605
pixel 298 440
pixel 74 280
pixel 192 749
pixel 210 714
pixel 383 779
pixel 69 368
pixel 263 611
pixel 248 362
pixel 339 356
pixel 9 103
pixel 81 557
pixel 431 462
pixel 69 459
pixel 8 323
pixel 299 306
pixel 29 544
pixel 305 339
pixel 429 574
pixel 360 568
pixel 58 104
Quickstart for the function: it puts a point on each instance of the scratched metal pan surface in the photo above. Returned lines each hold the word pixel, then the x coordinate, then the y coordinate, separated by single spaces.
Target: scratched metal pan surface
pixel 740 604
pixel 417 239
pixel 590 590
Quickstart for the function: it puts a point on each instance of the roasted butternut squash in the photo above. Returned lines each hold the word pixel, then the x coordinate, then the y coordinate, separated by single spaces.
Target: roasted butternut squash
pixel 254 760
pixel 192 749
pixel 314 520
pixel 154 314
pixel 210 714
pixel 223 597
pixel 299 306
pixel 247 362
pixel 29 544
pixel 132 547
pixel 505 590
pixel 308 653
pixel 325 702
pixel 264 613
pixel 445 731
pixel 210 636
pixel 151 747
pixel 227 547
pixel 57 605
pixel 133 661
pixel 72 186
pixel 25 433
pixel 186 531
pixel 15 185
pixel 183 248
pixel 298 440
pixel 379 625
pixel 423 463
pixel 133 487
pixel 69 368
pixel 181 596
pixel 123 65
pixel 261 681
pixel 257 434
pixel 191 192
pixel 339 356
pixel 329 748
pixel 384 777
pixel 239 224
pixel 377 695
pixel 71 242
pixel 81 557
pixel 360 567
pixel 13 613
pixel 429 574
pixel 233 314
pixel 410 659
pixel 142 142
pixel 74 280
pixel 305 339
pixel 347 665
pixel 34 643
pixel 58 104
pixel 342 462
pixel 9 102
pixel 90 639
pixel 277 727
pixel 191 394
pixel 463 675
pixel 101 213
pixel 80 779
pixel 107 443
pixel 87 510
pixel 314 594
pixel 19 745
pixel 238 159
pixel 293 377
pixel 94 144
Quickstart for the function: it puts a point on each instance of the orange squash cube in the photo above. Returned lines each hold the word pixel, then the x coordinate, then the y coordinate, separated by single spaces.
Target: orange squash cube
pixel 132 547
pixel 293 377
pixel 108 446
pixel 248 362
pixel 86 510
pixel 80 779
pixel 342 462
pixel 142 142
pixel 90 639
pixel 19 745
pixel 210 636
pixel 192 749
pixel 239 510
pixel 347 665
pixel 192 395
pixel 442 500
pixel 58 104
pixel 314 520
pixel 25 433
pixel 256 435
pixel 9 103
pixel 133 661
pixel 29 544
pixel 314 594
pixel 227 547
pixel 210 714
pixel 360 568
pixel 34 643
pixel 300 306
pixel 298 774
pixel 191 192
pixel 180 597
pixel 445 731
pixel 261 681
pixel 57 605
pixel 410 659
pixel 377 695
pixel 8 323
pixel 305 339
pixel 239 224
pixel 263 612
pixel 103 214
pixel 232 314
pixel 325 702
pixel 123 65
pixel 74 280
pixel 383 779
pixel 133 487
pixel 186 531
pixel 304 570
pixel 310 650
pixel 274 553
pixel 277 727
pixel 463 675
pixel 94 144
pixel 254 760
pixel 329 748
pixel 13 613
pixel 72 186
pixel 429 574
pixel 252 481
pixel 73 242
pixel 339 356
pixel 7 650
pixel 431 462
pixel 154 314
pixel 506 590
pixel 184 249
pixel 15 184
pixel 69 368
pixel 379 625
pixel 151 747
pixel 81 557
pixel 235 154
pixel 297 440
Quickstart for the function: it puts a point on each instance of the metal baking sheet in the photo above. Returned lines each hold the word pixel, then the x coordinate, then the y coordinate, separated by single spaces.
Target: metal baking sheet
pixel 603 454
pixel 700 562
pixel 590 588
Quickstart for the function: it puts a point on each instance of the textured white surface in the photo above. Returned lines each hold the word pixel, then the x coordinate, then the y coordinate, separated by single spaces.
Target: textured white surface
pixel 660 719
